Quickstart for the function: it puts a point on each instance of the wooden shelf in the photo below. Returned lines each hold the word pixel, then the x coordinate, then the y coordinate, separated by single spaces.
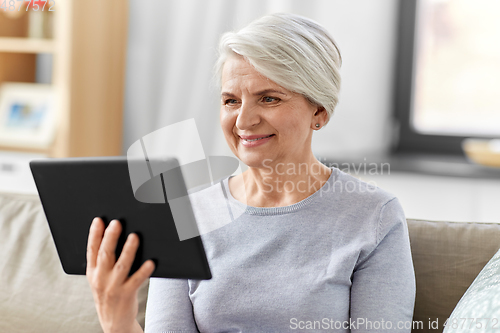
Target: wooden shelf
pixel 45 152
pixel 26 45
pixel 88 73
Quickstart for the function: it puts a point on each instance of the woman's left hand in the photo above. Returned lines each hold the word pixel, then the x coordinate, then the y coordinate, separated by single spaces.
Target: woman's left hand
pixel 115 294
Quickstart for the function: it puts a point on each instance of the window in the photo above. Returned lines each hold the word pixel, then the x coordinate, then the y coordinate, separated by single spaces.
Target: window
pixel 448 74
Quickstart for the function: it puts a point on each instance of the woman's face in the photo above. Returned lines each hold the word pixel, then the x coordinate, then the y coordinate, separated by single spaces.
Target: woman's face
pixel 254 107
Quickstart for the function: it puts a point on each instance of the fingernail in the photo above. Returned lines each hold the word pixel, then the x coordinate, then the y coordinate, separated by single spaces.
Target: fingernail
pixel 94 221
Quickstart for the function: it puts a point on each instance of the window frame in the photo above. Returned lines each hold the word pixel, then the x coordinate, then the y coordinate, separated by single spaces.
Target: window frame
pixel 407 139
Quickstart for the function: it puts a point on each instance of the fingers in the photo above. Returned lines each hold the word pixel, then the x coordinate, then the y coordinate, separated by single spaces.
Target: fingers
pixel 126 259
pixel 101 249
pixel 94 242
pixel 141 275
pixel 106 256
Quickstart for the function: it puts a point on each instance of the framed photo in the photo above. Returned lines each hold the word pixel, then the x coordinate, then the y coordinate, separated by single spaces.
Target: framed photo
pixel 27 115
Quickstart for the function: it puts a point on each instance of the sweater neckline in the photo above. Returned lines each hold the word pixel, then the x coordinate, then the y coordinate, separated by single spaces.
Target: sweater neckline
pixel 267 211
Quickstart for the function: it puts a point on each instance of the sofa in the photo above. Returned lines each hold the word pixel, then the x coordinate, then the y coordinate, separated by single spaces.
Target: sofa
pixel 37 296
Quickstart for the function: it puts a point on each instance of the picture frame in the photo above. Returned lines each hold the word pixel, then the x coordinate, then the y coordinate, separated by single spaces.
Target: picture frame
pixel 27 115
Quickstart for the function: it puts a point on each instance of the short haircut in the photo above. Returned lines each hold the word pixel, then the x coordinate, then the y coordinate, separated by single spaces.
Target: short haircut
pixel 295 52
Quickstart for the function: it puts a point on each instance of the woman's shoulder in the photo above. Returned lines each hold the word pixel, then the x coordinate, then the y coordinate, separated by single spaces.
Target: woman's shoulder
pixel 344 186
pixel 363 206
pixel 359 201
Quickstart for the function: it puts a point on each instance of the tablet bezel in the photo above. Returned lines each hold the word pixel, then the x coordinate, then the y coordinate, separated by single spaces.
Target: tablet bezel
pixel 75 190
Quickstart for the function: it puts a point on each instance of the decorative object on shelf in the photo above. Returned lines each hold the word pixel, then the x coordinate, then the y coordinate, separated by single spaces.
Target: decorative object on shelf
pixel 27 115
pixel 40 23
pixel 484 152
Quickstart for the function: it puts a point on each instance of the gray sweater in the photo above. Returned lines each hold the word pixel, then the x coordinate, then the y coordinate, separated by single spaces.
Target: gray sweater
pixel 337 261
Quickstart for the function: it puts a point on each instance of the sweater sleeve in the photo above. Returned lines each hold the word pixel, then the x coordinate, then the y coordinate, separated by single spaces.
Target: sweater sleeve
pixel 169 308
pixel 383 282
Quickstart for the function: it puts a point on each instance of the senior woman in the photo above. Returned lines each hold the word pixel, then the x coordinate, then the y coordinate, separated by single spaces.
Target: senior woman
pixel 314 249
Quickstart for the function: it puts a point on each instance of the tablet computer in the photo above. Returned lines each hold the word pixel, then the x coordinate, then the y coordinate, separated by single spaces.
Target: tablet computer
pixel 75 190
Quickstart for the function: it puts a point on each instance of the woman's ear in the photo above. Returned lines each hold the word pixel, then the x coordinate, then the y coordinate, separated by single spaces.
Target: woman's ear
pixel 320 118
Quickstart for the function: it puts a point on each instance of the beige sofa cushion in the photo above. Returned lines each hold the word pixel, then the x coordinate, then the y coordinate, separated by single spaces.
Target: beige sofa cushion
pixel 447 257
pixel 35 293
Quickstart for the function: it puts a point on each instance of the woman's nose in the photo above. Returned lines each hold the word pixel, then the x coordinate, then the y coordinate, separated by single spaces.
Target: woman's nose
pixel 248 117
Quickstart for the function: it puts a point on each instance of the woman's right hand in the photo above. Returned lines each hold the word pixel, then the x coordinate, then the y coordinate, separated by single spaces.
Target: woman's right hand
pixel 115 294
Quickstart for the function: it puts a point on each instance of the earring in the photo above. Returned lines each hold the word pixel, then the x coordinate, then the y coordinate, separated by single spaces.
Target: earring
pixel 317 125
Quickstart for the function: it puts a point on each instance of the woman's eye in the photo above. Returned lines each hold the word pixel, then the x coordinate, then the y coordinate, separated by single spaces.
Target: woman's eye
pixel 230 101
pixel 268 99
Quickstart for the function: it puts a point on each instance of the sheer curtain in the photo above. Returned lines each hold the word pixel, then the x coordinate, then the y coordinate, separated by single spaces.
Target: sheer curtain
pixel 172 49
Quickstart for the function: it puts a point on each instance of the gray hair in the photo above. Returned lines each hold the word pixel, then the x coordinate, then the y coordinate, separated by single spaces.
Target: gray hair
pixel 293 51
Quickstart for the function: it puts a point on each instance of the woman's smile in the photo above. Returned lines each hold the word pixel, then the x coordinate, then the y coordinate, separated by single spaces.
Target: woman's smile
pixel 255 140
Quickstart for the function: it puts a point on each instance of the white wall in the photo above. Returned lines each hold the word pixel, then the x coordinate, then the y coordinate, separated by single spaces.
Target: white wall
pixel 441 198
pixel 171 51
